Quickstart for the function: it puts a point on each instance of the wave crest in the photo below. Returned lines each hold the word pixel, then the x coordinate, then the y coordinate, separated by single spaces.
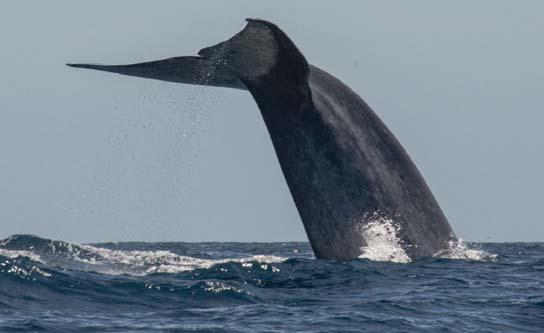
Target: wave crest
pixel 147 262
pixel 114 262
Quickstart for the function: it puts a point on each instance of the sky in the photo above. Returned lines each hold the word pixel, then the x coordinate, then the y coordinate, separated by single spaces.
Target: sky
pixel 88 156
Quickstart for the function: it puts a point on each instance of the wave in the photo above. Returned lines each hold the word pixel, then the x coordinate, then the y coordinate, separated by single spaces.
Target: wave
pixel 383 245
pixel 61 286
pixel 114 262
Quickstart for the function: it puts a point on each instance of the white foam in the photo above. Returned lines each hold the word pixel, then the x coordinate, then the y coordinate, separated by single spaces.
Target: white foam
pixel 382 242
pixel 116 262
pixel 145 262
pixel 23 272
pixel 12 254
pixel 460 250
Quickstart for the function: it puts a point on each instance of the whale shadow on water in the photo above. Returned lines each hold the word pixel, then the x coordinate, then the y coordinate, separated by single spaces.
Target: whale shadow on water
pixel 351 180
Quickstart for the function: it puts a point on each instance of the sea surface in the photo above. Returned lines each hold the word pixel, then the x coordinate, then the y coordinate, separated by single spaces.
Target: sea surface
pixel 55 286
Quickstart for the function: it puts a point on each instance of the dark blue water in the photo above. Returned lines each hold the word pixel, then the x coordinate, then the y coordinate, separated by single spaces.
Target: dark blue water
pixel 48 286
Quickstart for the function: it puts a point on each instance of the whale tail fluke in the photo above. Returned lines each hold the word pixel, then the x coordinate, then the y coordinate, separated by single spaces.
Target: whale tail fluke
pixel 261 57
pixel 189 70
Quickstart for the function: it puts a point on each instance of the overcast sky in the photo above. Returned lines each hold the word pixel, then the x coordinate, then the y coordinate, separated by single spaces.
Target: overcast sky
pixel 89 156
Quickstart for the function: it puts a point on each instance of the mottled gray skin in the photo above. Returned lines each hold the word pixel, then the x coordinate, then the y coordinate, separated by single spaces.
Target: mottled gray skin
pixel 342 165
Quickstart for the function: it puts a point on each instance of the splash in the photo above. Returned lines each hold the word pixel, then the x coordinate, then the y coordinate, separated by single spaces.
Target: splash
pixel 380 233
pixel 382 242
pixel 460 250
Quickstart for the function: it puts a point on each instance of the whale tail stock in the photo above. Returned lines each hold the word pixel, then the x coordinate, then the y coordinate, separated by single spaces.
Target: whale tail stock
pixel 343 166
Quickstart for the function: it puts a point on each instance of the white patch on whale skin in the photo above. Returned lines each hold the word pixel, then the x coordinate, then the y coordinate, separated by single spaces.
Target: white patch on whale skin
pixel 381 238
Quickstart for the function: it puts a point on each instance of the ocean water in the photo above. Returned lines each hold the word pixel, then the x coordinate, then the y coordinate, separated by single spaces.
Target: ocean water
pixel 54 286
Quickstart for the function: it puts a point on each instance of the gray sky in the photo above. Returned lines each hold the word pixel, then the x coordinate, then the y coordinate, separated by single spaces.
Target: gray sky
pixel 90 156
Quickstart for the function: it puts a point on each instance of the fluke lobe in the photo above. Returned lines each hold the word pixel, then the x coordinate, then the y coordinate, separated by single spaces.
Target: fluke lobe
pixel 345 170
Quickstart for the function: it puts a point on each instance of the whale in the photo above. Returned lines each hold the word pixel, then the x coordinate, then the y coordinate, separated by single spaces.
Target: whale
pixel 350 178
